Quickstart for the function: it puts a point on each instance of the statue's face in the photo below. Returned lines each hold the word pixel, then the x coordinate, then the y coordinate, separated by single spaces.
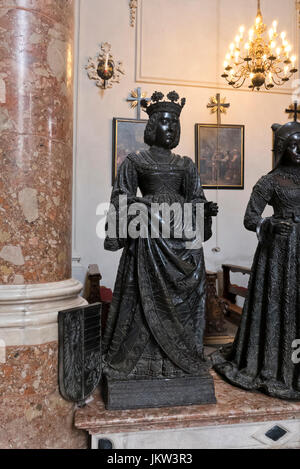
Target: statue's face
pixel 166 131
pixel 292 152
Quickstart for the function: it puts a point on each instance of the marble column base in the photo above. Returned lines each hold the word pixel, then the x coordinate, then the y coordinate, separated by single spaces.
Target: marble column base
pixel 28 313
pixel 32 413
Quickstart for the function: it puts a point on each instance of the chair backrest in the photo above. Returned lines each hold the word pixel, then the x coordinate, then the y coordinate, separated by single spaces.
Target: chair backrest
pixel 230 290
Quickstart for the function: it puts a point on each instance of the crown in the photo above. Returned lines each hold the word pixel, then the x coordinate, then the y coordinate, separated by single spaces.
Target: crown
pixel 158 105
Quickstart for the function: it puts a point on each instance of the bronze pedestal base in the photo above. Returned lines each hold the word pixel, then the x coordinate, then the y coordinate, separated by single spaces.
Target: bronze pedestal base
pixel 137 394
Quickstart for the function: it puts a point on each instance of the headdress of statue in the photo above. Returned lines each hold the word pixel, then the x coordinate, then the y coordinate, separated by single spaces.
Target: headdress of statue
pixel 158 105
pixel 282 133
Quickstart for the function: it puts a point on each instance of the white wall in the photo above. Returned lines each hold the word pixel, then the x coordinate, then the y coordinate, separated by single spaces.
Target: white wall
pixel 195 76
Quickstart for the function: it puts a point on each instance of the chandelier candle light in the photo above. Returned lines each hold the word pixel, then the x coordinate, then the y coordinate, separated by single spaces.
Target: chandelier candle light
pixel 265 58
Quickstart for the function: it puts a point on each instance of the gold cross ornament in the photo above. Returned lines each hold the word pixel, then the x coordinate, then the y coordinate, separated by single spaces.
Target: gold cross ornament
pixel 218 105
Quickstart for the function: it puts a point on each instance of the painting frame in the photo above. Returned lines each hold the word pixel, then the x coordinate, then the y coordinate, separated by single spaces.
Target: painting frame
pixel 199 144
pixel 132 145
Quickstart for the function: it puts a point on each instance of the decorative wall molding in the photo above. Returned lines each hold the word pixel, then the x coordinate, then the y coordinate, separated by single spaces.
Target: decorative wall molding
pixel 133 4
pixel 142 77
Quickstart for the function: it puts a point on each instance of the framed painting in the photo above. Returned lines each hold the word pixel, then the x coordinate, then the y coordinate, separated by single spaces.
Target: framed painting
pixel 220 155
pixel 128 137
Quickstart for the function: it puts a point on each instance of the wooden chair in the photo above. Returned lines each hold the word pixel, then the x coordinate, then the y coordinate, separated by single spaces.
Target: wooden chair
pixel 231 291
pixel 216 331
pixel 94 293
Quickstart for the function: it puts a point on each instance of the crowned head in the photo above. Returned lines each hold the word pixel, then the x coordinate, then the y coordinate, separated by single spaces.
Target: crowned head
pixel 163 127
pixel 160 105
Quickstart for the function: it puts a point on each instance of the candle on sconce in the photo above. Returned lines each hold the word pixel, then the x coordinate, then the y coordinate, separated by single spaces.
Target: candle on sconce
pixel 106 62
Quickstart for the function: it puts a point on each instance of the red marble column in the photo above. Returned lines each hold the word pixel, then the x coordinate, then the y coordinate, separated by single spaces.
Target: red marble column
pixel 36 83
pixel 36 120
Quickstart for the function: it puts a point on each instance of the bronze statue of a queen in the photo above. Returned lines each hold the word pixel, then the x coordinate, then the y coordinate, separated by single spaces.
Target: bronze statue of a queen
pixel 154 333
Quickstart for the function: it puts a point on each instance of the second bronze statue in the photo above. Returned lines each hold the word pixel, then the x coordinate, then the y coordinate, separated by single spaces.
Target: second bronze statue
pixel 153 344
pixel 265 354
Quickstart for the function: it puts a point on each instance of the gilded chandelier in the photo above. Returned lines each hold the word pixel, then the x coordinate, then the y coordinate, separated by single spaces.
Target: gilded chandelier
pixel 265 58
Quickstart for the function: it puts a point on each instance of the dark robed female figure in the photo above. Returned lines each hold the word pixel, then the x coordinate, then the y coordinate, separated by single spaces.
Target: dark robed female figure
pixel 156 320
pixel 263 356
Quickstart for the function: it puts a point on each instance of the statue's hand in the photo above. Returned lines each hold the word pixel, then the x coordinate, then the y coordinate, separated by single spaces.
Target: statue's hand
pixel 211 209
pixel 283 228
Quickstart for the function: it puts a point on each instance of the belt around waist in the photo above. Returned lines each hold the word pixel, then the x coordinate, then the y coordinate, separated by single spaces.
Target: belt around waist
pixel 289 215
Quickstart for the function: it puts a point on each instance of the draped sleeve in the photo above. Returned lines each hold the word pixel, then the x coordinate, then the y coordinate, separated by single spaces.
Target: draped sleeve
pixel 126 184
pixel 261 196
pixel 194 193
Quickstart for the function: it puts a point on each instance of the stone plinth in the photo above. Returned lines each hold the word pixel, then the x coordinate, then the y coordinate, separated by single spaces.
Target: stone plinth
pixel 240 419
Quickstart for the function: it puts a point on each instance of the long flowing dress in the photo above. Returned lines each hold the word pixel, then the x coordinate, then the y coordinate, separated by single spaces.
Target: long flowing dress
pixel 261 357
pixel 157 316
